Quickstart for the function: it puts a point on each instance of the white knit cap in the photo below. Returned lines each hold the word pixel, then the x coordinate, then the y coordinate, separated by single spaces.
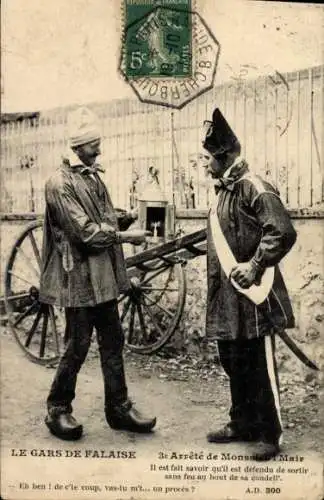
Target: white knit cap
pixel 83 127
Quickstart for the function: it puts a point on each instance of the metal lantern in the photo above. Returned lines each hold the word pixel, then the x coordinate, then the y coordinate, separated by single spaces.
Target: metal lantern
pixel 155 213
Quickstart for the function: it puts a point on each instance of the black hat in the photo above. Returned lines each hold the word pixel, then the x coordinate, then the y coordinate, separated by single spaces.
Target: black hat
pixel 219 137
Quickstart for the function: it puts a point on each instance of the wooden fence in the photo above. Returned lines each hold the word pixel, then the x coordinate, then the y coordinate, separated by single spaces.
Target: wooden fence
pixel 278 118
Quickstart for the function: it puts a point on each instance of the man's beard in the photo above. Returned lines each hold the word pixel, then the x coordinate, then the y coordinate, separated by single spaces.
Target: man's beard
pixel 92 159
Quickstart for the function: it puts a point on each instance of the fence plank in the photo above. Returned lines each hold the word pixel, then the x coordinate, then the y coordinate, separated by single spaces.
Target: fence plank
pixel 137 135
pixel 317 132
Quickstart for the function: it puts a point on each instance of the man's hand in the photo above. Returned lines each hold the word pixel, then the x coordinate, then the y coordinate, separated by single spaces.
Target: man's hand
pixel 134 236
pixel 244 274
pixel 134 213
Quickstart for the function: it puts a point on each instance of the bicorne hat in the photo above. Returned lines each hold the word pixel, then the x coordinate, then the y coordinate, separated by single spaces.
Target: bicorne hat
pixel 218 137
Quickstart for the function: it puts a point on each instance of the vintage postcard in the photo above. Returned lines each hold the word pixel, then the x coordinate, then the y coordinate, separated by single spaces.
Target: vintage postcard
pixel 162 205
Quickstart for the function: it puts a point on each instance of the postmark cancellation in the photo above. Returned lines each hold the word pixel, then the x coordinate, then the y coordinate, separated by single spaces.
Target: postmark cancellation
pixel 168 55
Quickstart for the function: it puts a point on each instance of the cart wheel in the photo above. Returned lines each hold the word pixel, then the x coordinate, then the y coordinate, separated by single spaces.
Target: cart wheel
pixel 151 310
pixel 38 328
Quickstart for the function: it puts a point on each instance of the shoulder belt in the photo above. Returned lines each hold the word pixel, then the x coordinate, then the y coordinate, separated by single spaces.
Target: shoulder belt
pixel 259 186
pixel 256 293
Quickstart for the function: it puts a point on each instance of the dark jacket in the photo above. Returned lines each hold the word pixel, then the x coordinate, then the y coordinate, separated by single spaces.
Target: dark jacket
pixel 83 265
pixel 256 225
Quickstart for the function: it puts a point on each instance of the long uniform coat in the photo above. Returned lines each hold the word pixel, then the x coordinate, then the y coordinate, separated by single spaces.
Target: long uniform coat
pixel 256 225
pixel 83 265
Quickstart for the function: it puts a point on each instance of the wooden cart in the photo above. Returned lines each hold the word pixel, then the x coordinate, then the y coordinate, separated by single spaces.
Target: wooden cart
pixel 150 311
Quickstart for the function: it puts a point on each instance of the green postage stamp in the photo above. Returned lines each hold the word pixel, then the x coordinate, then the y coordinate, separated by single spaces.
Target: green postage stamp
pixel 158 39
pixel 169 55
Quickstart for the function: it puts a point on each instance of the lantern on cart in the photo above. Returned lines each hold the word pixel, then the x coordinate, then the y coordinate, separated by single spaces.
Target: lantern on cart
pixel 155 213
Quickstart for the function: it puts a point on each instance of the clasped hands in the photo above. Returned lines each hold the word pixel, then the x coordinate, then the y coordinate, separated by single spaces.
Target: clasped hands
pixel 245 274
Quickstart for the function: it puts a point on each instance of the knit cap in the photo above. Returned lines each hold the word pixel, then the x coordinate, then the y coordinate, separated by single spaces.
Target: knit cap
pixel 83 127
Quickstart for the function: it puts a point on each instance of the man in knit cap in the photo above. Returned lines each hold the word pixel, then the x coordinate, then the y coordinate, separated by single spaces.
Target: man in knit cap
pixel 249 232
pixel 84 272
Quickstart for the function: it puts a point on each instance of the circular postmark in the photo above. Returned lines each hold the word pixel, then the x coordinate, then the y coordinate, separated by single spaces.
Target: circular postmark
pixel 278 84
pixel 272 86
pixel 169 55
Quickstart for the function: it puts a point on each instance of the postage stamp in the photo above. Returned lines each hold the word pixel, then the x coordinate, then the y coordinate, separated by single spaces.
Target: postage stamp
pixel 169 56
pixel 158 42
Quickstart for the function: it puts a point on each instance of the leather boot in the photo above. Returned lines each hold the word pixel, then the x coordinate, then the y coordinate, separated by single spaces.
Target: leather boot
pixel 264 451
pixel 64 426
pixel 229 434
pixel 126 417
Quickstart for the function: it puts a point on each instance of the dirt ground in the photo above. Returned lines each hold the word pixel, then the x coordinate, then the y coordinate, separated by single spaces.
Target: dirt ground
pixel 188 399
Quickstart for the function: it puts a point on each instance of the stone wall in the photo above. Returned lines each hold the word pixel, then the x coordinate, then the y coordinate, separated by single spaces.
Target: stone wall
pixel 303 272
pixel 302 269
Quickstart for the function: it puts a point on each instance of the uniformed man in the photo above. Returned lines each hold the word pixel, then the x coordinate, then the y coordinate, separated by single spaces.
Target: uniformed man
pixel 84 272
pixel 249 232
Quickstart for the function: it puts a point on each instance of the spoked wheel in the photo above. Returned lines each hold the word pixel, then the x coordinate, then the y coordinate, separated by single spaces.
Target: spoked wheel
pixel 151 310
pixel 38 328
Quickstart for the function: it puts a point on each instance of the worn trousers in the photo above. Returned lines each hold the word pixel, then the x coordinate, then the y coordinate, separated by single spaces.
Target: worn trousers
pixel 80 322
pixel 251 368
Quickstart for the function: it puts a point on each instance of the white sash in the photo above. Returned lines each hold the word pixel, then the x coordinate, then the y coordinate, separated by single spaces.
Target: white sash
pixel 256 293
